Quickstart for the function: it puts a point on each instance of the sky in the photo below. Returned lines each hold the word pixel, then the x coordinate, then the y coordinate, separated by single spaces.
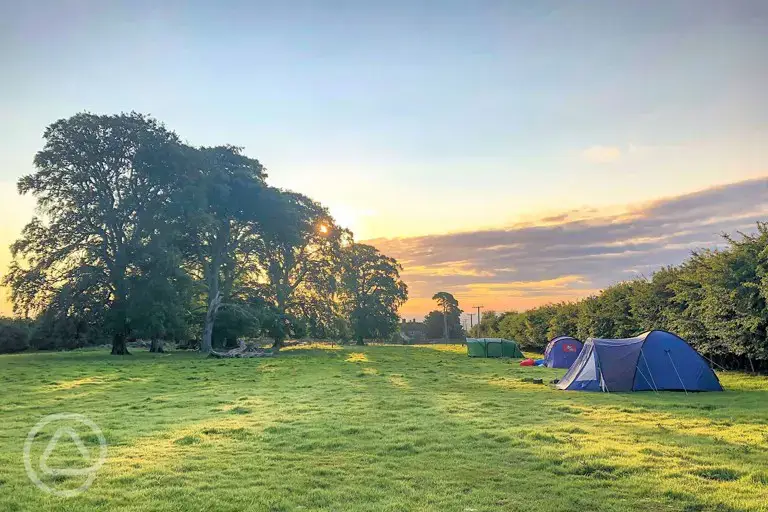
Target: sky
pixel 455 127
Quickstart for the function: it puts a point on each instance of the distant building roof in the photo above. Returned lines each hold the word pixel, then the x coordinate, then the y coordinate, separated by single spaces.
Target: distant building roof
pixel 412 326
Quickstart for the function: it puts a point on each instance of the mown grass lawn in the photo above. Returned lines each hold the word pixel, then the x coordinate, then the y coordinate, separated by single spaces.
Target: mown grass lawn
pixel 377 429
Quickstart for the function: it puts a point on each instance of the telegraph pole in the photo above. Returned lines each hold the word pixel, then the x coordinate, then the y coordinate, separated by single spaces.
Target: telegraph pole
pixel 478 318
pixel 471 316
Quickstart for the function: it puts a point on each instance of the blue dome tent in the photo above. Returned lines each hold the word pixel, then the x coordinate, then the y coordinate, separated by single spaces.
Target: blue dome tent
pixel 561 352
pixel 655 360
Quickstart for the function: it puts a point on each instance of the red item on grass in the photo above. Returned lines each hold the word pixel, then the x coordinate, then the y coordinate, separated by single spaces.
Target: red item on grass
pixel 527 362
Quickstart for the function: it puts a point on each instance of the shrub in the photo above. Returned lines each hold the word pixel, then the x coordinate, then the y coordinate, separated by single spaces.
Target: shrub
pixel 50 332
pixel 14 335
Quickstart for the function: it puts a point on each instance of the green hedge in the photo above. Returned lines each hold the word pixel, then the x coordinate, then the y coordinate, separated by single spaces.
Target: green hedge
pixel 715 300
pixel 14 335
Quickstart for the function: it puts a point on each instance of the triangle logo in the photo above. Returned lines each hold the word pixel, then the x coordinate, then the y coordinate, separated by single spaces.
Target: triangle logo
pixel 61 432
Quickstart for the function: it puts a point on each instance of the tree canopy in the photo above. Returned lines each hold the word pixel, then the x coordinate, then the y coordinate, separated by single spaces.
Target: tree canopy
pixel 446 322
pixel 372 291
pixel 140 235
pixel 103 186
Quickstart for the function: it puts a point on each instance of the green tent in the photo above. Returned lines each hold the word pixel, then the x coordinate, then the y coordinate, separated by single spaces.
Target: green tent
pixel 511 349
pixel 492 347
pixel 475 347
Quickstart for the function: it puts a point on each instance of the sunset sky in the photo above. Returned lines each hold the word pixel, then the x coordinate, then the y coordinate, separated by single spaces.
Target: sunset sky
pixel 511 153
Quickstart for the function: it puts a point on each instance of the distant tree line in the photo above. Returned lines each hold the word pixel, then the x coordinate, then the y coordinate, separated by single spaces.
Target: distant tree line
pixel 715 300
pixel 139 235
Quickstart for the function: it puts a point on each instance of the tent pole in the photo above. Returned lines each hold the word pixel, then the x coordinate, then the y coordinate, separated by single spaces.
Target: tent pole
pixel 678 373
pixel 656 389
pixel 647 381
pixel 602 379
pixel 714 363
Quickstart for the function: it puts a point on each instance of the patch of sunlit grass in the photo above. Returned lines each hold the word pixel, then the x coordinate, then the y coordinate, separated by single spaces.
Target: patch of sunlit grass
pixel 312 346
pixel 357 357
pixel 74 383
pixel 452 348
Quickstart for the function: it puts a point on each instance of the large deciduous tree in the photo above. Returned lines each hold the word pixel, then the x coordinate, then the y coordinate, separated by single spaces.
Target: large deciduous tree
pixel 298 264
pixel 229 209
pixel 103 186
pixel 373 291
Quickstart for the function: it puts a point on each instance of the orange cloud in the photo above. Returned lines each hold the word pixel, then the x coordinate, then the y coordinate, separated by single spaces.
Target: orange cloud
pixel 573 254
pixel 448 268
pixel 526 287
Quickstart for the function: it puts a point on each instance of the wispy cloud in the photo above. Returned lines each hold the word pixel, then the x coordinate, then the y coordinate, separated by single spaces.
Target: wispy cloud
pixel 522 266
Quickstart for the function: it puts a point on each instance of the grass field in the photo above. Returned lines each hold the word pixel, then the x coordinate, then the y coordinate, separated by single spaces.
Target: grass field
pixel 377 429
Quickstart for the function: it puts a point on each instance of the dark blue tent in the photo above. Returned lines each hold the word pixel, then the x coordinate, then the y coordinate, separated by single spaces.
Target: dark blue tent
pixel 655 360
pixel 561 352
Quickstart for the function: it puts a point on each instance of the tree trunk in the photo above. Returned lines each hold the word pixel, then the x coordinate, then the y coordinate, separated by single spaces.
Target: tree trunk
pixel 445 325
pixel 281 321
pixel 360 341
pixel 214 301
pixel 119 348
pixel 210 317
pixel 219 254
pixel 156 346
